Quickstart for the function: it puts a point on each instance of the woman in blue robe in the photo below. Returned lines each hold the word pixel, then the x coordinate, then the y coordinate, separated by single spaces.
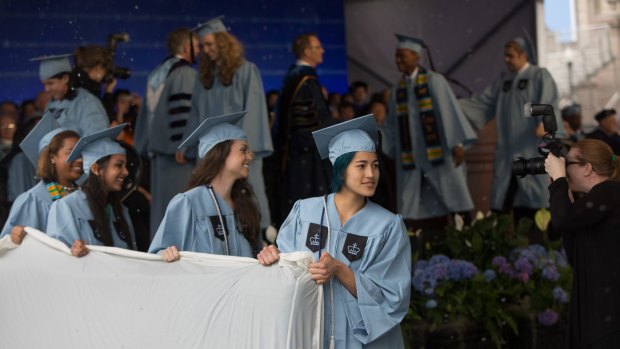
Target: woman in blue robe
pixel 71 105
pixel 361 250
pixel 47 146
pixel 219 214
pixel 227 83
pixel 94 215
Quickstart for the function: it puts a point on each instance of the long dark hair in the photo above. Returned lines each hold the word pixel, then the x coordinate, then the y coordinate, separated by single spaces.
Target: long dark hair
pixel 246 208
pixel 97 202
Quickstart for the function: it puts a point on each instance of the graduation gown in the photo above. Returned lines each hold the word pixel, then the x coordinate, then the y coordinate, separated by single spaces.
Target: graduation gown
pixel 22 176
pixel 374 244
pixel 301 110
pixel 69 220
pixel 161 132
pixel 245 93
pixel 30 209
pixel 590 235
pixel 192 224
pixel 84 113
pixel 431 190
pixel 516 137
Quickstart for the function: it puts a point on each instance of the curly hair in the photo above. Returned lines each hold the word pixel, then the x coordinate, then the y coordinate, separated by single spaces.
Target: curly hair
pixel 230 59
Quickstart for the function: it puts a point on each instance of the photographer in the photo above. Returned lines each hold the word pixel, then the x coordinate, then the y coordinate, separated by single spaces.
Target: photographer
pixel 92 64
pixel 589 226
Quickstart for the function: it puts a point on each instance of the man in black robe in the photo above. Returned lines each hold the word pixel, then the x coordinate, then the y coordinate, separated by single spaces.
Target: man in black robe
pixel 302 108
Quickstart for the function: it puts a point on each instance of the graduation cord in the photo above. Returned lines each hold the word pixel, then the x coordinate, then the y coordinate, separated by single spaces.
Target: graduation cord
pixel 332 343
pixel 219 214
pixel 321 232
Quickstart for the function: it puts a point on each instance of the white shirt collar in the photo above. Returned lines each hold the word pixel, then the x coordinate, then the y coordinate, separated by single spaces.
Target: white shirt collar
pixel 414 74
pixel 523 68
pixel 302 62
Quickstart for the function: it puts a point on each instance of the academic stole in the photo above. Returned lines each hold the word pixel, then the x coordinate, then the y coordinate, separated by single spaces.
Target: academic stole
pixel 55 190
pixel 430 131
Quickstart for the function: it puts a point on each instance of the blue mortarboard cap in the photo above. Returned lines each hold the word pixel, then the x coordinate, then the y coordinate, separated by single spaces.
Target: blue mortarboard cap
pixel 53 65
pixel 40 136
pixel 215 130
pixel 96 146
pixel 413 44
pixel 214 25
pixel 346 137
pixel 528 46
pixel 573 109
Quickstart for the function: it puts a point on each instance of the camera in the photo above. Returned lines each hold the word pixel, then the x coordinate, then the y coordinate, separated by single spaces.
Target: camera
pixel 114 71
pixel 548 144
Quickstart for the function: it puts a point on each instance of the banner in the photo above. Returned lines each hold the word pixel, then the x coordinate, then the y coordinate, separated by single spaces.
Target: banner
pixel 116 298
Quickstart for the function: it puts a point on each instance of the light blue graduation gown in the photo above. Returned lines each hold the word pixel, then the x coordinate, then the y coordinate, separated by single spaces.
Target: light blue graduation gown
pixel 374 244
pixel 84 114
pixel 30 209
pixel 192 224
pixel 69 221
pixel 245 93
pixel 445 186
pixel 22 176
pixel 160 133
pixel 504 101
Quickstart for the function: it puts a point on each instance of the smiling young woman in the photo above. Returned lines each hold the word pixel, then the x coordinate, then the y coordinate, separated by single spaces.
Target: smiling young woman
pixel 218 214
pixel 47 146
pixel 94 215
pixel 361 250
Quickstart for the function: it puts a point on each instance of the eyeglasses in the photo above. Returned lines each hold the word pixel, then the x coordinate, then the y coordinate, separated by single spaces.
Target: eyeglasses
pixel 568 163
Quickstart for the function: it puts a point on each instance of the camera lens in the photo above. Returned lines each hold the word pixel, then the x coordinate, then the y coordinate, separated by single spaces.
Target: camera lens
pixel 122 73
pixel 534 166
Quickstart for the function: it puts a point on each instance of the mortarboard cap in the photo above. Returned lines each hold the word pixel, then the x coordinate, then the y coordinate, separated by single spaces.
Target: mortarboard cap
pixel 215 130
pixel 573 109
pixel 40 137
pixel 346 137
pixel 528 46
pixel 413 44
pixel 96 146
pixel 214 25
pixel 603 114
pixel 53 65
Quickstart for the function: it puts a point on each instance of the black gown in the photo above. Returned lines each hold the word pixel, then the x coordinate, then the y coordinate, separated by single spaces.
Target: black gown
pixel 591 231
pixel 301 110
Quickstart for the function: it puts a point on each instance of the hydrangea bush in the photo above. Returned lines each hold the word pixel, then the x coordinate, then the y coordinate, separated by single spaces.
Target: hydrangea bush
pixel 486 271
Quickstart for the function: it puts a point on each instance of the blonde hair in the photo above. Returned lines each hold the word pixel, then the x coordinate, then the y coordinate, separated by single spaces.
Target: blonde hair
pixel 230 59
pixel 600 156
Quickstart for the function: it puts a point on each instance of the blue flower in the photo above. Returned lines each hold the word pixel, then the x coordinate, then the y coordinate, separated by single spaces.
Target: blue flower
pixel 438 259
pixel 560 295
pixel 560 258
pixel 499 261
pixel 431 304
pixel 548 317
pixel 550 272
pixel 523 265
pixel 461 270
pixel 424 282
pixel 489 275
